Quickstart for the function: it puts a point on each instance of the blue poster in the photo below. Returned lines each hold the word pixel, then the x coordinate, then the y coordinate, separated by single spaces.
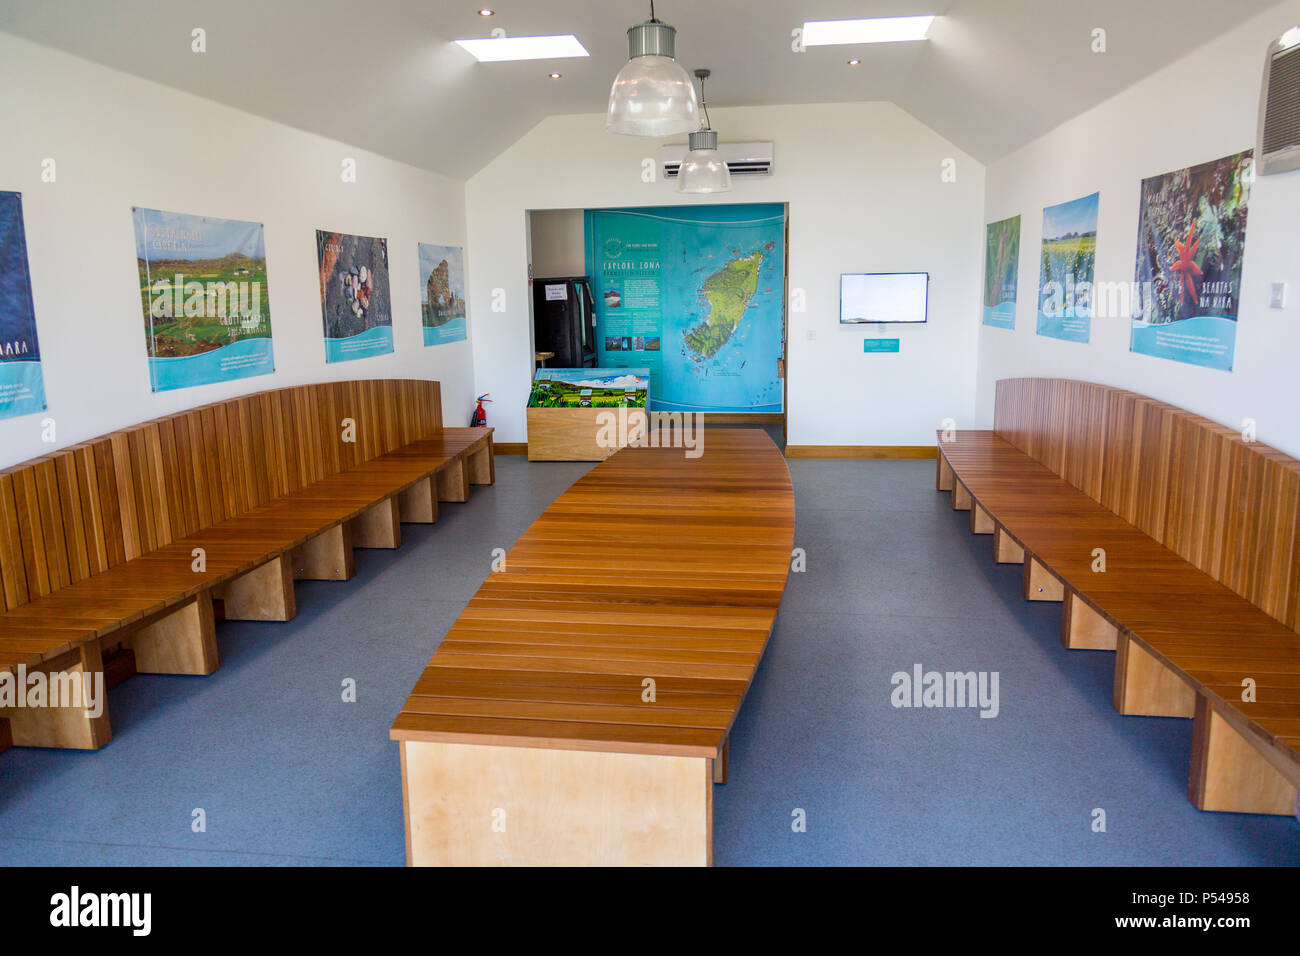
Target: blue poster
pixel 22 385
pixel 696 294
pixel 1191 243
pixel 1066 269
pixel 207 313
pixel 354 296
pixel 1001 272
pixel 442 294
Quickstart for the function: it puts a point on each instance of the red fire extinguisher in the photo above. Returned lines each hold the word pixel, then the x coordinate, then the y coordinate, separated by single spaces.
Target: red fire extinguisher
pixel 479 418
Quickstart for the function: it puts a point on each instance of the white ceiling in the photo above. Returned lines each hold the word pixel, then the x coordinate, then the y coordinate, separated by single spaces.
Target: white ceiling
pixel 383 74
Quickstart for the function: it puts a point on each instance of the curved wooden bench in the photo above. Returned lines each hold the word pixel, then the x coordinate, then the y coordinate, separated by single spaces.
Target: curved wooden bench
pixel 578 710
pixel 140 540
pixel 1171 540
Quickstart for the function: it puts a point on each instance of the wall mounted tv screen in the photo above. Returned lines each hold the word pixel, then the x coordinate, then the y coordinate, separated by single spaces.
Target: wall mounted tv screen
pixel 886 297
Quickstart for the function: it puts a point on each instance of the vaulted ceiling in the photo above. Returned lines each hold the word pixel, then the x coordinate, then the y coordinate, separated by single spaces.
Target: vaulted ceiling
pixel 384 74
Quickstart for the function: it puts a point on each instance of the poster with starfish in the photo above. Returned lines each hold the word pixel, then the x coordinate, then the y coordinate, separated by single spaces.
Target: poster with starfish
pixel 1191 242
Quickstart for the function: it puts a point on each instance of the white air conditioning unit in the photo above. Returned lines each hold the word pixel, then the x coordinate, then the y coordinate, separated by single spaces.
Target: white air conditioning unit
pixel 743 159
pixel 1278 149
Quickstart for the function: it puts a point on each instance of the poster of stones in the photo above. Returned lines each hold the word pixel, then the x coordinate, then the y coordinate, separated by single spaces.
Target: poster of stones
pixel 354 296
pixel 22 385
pixel 1191 243
pixel 442 293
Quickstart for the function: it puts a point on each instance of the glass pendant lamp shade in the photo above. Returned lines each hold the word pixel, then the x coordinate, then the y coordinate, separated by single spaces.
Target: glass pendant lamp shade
pixel 703 170
pixel 652 95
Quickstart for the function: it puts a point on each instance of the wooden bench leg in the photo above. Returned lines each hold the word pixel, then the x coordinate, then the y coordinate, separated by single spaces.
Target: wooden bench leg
pixel 263 594
pixel 1144 687
pixel 477 805
pixel 1041 584
pixel 1229 774
pixel 418 504
pixel 1005 549
pixel 722 763
pixel 1083 629
pixel 81 721
pixel 943 472
pixel 453 481
pixel 961 499
pixel 379 526
pixel 183 642
pixel 326 557
pixel 6 736
pixel 482 466
pixel 981 522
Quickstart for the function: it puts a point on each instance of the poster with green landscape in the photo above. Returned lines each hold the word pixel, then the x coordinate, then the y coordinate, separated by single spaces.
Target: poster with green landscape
pixel 203 289
pixel 590 388
pixel 1001 270
pixel 1065 272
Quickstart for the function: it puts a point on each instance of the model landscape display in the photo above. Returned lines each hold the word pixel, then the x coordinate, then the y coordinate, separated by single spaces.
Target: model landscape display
pixel 590 388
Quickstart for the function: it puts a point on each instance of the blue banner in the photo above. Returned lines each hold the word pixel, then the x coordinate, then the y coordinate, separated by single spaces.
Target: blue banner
pixel 22 383
pixel 1065 271
pixel 1001 272
pixel 697 295
pixel 442 294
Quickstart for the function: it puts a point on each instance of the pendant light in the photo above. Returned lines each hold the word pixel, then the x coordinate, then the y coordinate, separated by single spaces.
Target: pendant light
pixel 652 95
pixel 703 170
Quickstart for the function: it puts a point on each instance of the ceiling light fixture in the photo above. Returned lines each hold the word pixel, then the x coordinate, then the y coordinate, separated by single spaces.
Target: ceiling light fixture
pixel 703 170
pixel 652 95
pixel 855 62
pixel 499 49
pixel 556 76
pixel 485 12
pixel 875 30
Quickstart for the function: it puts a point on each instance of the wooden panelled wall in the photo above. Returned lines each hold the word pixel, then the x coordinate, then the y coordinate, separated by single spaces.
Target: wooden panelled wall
pixel 83 509
pixel 1229 506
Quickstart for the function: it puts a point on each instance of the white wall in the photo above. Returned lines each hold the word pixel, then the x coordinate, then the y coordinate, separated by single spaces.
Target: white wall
pixel 559 245
pixel 120 141
pixel 1199 108
pixel 864 185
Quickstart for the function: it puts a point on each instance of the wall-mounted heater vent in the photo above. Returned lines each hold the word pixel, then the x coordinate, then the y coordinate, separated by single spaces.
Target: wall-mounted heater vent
pixel 1279 107
pixel 743 159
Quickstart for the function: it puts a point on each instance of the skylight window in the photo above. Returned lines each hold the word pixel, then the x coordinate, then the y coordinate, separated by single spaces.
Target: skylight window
pixel 875 30
pixel 498 49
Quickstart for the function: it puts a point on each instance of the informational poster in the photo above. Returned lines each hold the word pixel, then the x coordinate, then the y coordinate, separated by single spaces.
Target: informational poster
pixel 207 311
pixel 1065 273
pixel 442 294
pixel 1191 241
pixel 1001 271
pixel 696 294
pixel 22 384
pixel 354 296
pixel 590 388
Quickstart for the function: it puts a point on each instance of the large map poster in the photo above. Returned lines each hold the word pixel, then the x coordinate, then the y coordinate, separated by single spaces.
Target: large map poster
pixel 442 294
pixel 1191 240
pixel 697 295
pixel 1001 272
pixel 207 313
pixel 22 384
pixel 354 296
pixel 1066 268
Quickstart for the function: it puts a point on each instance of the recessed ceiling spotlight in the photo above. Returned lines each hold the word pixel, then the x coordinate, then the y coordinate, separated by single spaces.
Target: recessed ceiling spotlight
pixel 854 62
pixel 874 30
pixel 498 49
pixel 555 76
pixel 485 12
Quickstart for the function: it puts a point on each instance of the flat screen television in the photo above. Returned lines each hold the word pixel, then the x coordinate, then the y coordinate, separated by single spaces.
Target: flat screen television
pixel 885 297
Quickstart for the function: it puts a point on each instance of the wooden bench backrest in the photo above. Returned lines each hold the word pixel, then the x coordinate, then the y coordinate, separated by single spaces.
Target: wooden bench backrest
pixel 85 508
pixel 1228 506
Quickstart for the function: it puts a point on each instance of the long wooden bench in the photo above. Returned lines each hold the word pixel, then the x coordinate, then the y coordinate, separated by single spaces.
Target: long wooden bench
pixel 133 545
pixel 1171 540
pixel 578 711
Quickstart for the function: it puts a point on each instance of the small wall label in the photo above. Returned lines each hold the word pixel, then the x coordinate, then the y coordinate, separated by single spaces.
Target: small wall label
pixel 880 345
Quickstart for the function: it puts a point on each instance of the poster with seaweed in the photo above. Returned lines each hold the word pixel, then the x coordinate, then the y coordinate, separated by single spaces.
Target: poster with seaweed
pixel 22 382
pixel 1065 270
pixel 1001 268
pixel 203 289
pixel 354 296
pixel 1191 242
